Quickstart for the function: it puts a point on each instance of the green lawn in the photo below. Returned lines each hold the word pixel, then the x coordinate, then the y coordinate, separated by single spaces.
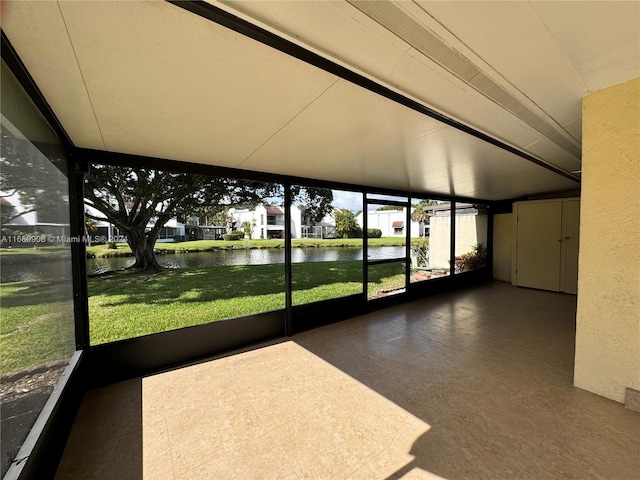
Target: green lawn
pixel 37 324
pixel 128 304
pixel 37 317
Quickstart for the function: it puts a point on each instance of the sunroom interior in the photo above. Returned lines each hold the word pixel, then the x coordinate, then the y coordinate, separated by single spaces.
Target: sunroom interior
pixel 487 112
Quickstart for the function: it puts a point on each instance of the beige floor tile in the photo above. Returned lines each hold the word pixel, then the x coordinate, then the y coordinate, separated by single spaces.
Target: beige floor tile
pixel 152 403
pixel 110 411
pixel 264 366
pixel 387 421
pixel 156 452
pixel 392 464
pixel 465 385
pixel 283 400
pixel 195 391
pixel 327 443
pixel 259 459
pixel 113 458
pixel 198 435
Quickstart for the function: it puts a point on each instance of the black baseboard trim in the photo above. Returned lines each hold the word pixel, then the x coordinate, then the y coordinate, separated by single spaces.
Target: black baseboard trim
pixel 317 314
pixel 125 359
pixel 43 448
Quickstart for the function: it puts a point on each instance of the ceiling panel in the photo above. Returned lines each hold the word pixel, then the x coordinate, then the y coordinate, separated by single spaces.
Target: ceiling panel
pixel 164 82
pixel 339 132
pixel 544 148
pixel 439 89
pixel 528 65
pixel 331 27
pixel 38 33
pixel 153 79
pixel 601 39
pixel 449 161
pixel 353 135
pixel 422 78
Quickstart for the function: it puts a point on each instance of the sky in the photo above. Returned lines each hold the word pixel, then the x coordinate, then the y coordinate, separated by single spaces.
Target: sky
pixel 350 200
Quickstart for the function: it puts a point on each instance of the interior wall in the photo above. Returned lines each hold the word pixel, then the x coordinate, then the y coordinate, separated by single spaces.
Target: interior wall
pixel 502 246
pixel 608 325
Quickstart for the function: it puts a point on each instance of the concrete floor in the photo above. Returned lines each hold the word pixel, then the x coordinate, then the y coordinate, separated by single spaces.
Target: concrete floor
pixel 470 384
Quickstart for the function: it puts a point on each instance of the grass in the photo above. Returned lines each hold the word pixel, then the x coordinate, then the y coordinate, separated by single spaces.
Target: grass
pixel 37 317
pixel 208 245
pixel 129 304
pixel 37 324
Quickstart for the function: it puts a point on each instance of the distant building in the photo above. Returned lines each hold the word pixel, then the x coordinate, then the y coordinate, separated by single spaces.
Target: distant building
pixel 471 224
pixel 18 219
pixel 268 221
pixel 392 223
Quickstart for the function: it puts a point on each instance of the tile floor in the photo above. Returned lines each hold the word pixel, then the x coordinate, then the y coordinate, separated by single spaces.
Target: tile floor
pixel 471 384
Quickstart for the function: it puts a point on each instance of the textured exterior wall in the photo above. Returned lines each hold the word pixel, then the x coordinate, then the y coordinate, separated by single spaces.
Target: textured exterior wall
pixel 502 246
pixel 383 220
pixel 440 241
pixel 470 230
pixel 608 320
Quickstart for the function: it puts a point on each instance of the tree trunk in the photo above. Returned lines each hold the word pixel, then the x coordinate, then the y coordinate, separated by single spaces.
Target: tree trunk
pixel 141 244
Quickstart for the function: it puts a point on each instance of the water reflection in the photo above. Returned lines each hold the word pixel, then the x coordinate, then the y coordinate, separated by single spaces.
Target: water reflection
pixel 247 257
pixel 15 270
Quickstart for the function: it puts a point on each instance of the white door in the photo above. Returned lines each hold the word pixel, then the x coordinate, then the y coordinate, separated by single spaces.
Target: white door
pixel 570 239
pixel 539 245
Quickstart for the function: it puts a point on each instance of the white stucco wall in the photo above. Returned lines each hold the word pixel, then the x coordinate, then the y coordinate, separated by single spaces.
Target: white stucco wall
pixel 383 220
pixel 502 246
pixel 607 357
pixel 471 229
pixel 440 241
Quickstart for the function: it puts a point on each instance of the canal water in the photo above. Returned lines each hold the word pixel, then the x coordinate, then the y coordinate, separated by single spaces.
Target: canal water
pixel 50 269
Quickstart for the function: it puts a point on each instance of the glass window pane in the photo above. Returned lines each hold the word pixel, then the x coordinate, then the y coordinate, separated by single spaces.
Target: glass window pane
pixel 37 336
pixel 210 250
pixel 471 237
pixel 385 279
pixel 386 231
pixel 326 244
pixel 430 239
pixel 438 233
pixel 379 196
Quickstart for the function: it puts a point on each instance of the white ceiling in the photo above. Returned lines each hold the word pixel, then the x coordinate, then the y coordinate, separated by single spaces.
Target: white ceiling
pixel 149 78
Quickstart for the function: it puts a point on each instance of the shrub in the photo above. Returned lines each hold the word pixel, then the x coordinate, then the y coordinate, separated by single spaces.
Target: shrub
pixel 374 233
pixel 472 260
pixel 420 250
pixel 232 236
pixel 239 233
pixel 346 224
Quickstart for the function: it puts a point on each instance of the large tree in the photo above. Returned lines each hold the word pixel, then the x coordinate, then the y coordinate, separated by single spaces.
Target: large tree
pixel 140 201
pixel 418 213
pixel 347 224
pixel 31 177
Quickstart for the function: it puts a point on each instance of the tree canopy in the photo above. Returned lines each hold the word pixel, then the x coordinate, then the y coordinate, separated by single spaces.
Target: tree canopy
pixel 140 201
pixel 418 214
pixel 26 173
pixel 346 224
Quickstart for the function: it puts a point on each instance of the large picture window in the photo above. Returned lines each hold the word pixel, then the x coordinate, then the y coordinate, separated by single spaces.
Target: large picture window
pixel 386 237
pixel 472 223
pixel 326 244
pixel 430 239
pixel 37 336
pixel 173 250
